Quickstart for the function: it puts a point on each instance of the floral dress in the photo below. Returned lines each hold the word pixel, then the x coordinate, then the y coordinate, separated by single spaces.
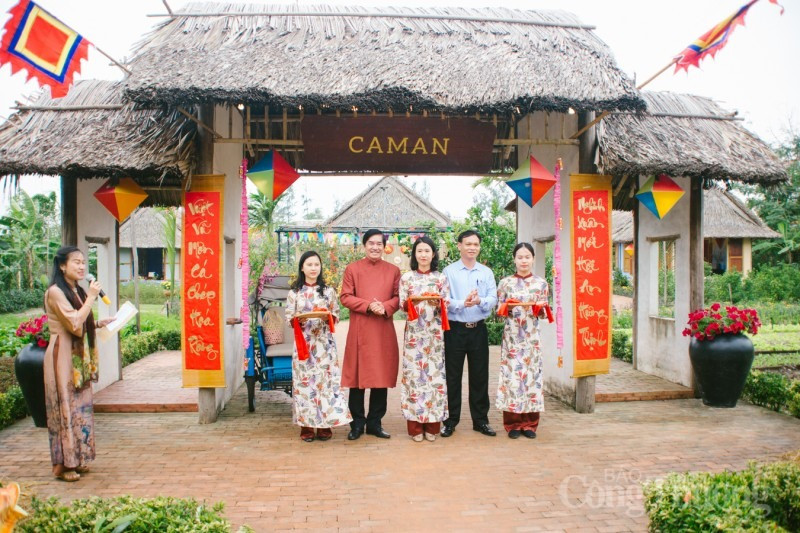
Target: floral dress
pixel 318 399
pixel 423 390
pixel 520 387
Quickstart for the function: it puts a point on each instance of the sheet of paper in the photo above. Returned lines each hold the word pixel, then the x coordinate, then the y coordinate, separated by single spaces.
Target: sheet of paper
pixel 123 316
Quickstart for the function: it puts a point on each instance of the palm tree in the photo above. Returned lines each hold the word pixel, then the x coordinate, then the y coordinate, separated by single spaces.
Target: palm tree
pixel 264 214
pixel 27 238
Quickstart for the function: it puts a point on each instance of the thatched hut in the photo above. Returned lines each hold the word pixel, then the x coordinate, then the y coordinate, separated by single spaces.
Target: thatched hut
pixel 151 245
pixel 729 228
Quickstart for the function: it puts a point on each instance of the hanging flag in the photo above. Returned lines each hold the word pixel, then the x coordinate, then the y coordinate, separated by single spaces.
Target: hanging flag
pixel 120 199
pixel 659 195
pixel 272 175
pixel 714 39
pixel 43 46
pixel 531 181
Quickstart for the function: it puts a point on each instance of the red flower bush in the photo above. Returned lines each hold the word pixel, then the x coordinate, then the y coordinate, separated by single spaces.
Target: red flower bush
pixel 35 331
pixel 705 324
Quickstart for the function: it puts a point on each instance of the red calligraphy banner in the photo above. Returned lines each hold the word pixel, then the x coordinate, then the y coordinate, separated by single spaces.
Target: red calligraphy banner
pixel 201 284
pixel 590 221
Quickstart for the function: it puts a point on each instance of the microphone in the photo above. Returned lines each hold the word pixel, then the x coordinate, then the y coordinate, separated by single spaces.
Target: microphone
pixel 90 278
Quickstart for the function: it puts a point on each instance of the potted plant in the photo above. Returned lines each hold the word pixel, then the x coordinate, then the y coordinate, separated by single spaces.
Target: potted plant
pixel 29 366
pixel 720 352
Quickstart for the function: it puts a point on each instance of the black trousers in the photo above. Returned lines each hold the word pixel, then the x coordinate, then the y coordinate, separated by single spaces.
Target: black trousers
pixel 377 408
pixel 473 344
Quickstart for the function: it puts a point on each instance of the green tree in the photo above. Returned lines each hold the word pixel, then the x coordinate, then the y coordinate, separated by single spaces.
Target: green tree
pixel 29 237
pixel 264 214
pixel 779 207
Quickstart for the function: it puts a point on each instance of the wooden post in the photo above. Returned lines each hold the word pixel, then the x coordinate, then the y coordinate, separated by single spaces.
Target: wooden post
pixel 207 396
pixel 585 386
pixel 696 270
pixel 635 274
pixel 69 211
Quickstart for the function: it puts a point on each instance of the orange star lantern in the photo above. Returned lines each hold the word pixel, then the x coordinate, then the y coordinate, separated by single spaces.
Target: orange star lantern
pixel 120 199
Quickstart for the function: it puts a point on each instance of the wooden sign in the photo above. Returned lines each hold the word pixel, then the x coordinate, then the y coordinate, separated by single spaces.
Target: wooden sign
pixel 407 145
pixel 590 220
pixel 201 284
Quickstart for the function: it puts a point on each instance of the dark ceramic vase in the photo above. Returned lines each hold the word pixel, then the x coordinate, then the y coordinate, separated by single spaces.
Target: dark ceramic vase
pixel 29 368
pixel 721 366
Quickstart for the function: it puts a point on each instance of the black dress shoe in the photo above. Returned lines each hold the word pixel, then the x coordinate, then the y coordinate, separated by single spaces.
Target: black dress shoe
pixel 447 430
pixel 486 429
pixel 531 434
pixel 308 439
pixel 378 432
pixel 514 434
pixel 355 433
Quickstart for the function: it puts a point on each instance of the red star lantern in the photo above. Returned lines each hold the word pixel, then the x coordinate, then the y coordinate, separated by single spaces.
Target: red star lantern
pixel 120 199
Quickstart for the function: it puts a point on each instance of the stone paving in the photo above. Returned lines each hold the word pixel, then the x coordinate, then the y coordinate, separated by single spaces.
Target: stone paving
pixel 582 473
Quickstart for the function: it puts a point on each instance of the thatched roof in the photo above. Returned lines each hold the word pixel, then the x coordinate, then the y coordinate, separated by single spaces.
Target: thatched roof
pixel 91 133
pixel 452 59
pixel 149 230
pixel 724 217
pixel 387 205
pixel 685 135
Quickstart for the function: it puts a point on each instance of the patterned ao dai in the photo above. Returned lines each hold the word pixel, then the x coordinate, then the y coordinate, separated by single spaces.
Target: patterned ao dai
pixel 423 390
pixel 318 398
pixel 520 386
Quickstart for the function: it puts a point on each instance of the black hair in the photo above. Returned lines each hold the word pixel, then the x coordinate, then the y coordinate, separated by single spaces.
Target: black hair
pixel 301 277
pixel 58 279
pixel 434 262
pixel 371 233
pixel 525 245
pixel 469 233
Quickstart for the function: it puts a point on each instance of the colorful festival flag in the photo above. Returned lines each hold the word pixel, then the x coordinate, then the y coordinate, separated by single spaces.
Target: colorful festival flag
pixel 272 175
pixel 714 39
pixel 659 195
pixel 531 181
pixel 43 46
pixel 120 199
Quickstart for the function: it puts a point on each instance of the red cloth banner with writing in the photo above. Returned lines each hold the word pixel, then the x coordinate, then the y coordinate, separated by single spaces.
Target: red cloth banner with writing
pixel 590 221
pixel 201 284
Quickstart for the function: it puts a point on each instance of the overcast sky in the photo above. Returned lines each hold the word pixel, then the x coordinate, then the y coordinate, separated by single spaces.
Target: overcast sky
pixel 756 73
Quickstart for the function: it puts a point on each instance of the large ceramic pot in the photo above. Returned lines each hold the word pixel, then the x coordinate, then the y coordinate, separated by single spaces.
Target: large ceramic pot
pixel 29 368
pixel 721 366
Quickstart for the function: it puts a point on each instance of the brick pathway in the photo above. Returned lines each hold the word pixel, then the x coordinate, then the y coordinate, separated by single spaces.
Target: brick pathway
pixel 153 384
pixel 581 474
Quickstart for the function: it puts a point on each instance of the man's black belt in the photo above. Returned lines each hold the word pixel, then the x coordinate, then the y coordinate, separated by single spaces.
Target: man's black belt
pixel 468 325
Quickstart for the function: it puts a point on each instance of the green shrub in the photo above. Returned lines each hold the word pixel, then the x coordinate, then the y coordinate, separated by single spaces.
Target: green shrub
pixel 777 313
pixel 151 322
pixel 150 292
pixel 10 344
pixel 621 346
pixel 725 288
pixel 8 378
pixel 767 389
pixel 623 319
pixel 12 407
pixel 774 283
pixel 793 405
pixel 17 300
pixel 112 514
pixel 759 498
pixel 494 328
pixel 139 346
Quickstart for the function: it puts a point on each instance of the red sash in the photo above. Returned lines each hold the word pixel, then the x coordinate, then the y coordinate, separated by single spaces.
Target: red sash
pixel 413 315
pixel 300 339
pixel 537 308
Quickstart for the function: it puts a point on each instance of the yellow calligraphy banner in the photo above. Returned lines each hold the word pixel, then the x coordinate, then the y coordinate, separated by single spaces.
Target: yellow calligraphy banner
pixel 202 333
pixel 590 228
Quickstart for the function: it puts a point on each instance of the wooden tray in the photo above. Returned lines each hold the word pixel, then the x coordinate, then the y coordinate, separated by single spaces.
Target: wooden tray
pixel 313 314
pixel 423 298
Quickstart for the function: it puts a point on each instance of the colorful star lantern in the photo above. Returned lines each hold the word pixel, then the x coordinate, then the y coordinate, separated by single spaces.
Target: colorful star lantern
pixel 659 195
pixel 272 175
pixel 629 250
pixel 531 181
pixel 120 199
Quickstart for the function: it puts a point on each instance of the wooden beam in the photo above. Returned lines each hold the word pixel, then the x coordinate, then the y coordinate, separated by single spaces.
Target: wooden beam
pixel 585 386
pixel 69 212
pixel 696 267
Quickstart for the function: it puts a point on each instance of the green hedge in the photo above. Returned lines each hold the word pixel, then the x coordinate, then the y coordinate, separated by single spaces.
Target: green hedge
pixel 621 345
pixel 18 300
pixel 132 515
pixel 760 498
pixel 773 391
pixel 150 292
pixel 12 407
pixel 494 327
pixel 137 346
